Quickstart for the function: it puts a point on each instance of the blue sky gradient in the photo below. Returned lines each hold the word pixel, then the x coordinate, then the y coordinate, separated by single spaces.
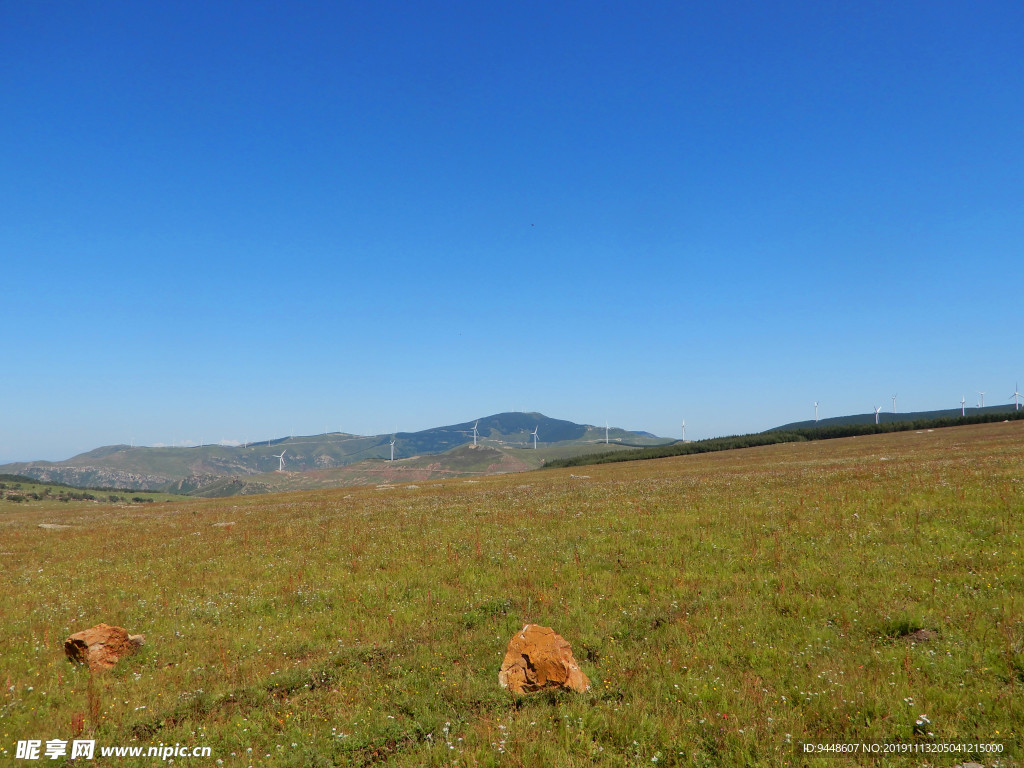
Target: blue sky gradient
pixel 231 221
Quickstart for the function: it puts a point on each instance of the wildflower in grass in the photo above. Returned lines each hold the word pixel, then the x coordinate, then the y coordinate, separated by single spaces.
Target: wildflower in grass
pixel 921 726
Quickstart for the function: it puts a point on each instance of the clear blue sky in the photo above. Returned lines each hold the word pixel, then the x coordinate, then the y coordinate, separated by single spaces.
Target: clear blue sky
pixel 235 220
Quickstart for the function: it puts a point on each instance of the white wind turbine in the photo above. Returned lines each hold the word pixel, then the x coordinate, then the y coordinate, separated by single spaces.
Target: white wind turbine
pixel 474 432
pixel 534 434
pixel 982 405
pixel 280 458
pixel 1016 396
pixel 684 430
pixel 894 403
pixel 606 431
pixel 815 411
pixel 963 410
pixel 392 444
pixel 878 410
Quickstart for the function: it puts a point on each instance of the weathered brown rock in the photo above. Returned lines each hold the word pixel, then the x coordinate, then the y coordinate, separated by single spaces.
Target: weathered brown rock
pixel 539 659
pixel 101 646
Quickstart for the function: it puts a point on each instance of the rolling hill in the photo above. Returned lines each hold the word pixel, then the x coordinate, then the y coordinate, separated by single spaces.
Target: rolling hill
pixel 335 459
pixel 886 418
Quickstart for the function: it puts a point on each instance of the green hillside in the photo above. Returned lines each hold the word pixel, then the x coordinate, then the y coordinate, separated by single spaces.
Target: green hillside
pixel 333 459
pixel 18 492
pixel 465 461
pixel 888 418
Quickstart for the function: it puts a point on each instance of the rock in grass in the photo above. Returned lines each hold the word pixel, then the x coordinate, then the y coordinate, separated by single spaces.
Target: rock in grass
pixel 539 659
pixel 101 646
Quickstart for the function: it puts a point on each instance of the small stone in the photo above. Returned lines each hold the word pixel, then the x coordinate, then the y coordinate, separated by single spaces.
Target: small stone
pixel 101 646
pixel 539 659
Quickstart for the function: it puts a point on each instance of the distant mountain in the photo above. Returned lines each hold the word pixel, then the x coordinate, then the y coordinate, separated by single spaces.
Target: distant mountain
pixel 885 418
pixel 332 459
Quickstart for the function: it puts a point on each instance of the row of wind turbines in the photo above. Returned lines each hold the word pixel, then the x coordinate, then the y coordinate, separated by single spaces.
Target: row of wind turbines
pixel 394 440
pixel 476 433
pixel 1016 397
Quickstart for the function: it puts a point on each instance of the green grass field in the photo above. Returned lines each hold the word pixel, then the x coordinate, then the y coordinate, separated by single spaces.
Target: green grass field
pixel 55 497
pixel 725 606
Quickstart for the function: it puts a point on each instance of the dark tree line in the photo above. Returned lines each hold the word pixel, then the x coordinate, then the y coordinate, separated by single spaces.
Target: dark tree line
pixel 770 438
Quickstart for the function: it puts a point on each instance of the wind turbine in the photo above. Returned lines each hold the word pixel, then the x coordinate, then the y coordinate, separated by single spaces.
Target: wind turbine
pixel 534 433
pixel 963 411
pixel 894 403
pixel 393 447
pixel 280 458
pixel 878 410
pixel 982 399
pixel 684 430
pixel 1016 396
pixel 815 411
pixel 606 431
pixel 474 432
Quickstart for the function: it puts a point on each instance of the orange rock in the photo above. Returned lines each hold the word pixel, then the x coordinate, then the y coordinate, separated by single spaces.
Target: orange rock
pixel 539 659
pixel 101 646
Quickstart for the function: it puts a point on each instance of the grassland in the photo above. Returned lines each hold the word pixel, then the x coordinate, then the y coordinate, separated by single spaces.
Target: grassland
pixel 725 606
pixel 53 496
